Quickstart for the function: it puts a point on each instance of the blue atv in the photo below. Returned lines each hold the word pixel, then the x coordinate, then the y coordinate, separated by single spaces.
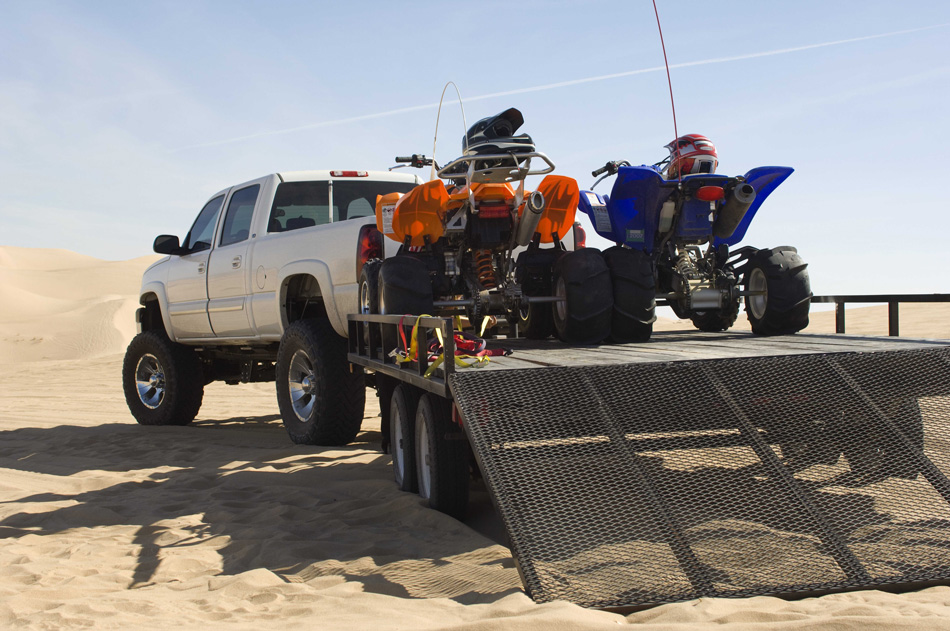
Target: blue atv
pixel 674 239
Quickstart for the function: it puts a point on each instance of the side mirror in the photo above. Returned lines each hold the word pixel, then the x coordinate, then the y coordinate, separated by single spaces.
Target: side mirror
pixel 166 244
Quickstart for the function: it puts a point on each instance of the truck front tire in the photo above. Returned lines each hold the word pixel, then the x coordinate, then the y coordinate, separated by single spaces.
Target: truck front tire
pixel 162 380
pixel 321 400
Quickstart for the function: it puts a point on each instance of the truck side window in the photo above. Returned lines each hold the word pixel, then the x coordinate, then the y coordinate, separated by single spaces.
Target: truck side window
pixel 202 232
pixel 237 221
pixel 299 205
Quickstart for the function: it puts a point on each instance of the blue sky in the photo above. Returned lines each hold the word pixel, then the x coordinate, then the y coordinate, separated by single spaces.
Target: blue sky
pixel 119 120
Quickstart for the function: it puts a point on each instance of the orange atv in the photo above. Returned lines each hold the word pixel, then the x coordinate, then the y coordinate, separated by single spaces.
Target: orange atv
pixel 459 234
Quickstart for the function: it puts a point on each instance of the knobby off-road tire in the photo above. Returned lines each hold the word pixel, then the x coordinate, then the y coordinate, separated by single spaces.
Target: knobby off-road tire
pixel 634 292
pixel 321 401
pixel 717 319
pixel 533 272
pixel 442 471
pixel 582 280
pixel 404 288
pixel 162 380
pixel 402 422
pixel 783 307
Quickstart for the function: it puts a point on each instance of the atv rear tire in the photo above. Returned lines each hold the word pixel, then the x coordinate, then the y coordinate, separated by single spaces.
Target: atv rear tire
pixel 582 282
pixel 162 380
pixel 779 278
pixel 533 271
pixel 634 292
pixel 442 459
pixel 321 401
pixel 404 288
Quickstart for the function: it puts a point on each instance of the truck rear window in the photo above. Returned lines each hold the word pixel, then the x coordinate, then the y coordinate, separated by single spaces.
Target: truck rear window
pixel 354 198
pixel 304 204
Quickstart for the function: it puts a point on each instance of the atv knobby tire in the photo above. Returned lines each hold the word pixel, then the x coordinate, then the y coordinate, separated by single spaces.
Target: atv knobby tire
pixel 402 422
pixel 162 380
pixel 779 280
pixel 321 398
pixel 404 288
pixel 582 281
pixel 533 272
pixel 634 294
pixel 442 471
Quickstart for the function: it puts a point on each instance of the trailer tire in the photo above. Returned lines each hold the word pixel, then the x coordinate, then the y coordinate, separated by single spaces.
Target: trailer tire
pixel 442 469
pixel 162 380
pixel 320 396
pixel 634 291
pixel 385 385
pixel 716 320
pixel 402 422
pixel 582 280
pixel 404 288
pixel 783 307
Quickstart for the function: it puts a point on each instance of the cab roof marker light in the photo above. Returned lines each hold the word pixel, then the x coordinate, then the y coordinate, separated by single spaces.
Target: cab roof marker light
pixel 349 173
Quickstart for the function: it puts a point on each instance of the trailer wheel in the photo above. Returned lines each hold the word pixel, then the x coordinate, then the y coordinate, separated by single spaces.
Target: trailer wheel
pixel 321 401
pixel 162 380
pixel 404 288
pixel 717 319
pixel 582 282
pixel 402 421
pixel 780 293
pixel 441 458
pixel 634 292
pixel 385 385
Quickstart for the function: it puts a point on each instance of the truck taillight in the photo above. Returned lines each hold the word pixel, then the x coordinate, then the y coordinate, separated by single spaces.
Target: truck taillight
pixel 349 173
pixel 580 236
pixel 370 246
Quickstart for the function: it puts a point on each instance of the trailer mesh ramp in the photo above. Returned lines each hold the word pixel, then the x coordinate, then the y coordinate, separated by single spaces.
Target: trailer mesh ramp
pixel 636 484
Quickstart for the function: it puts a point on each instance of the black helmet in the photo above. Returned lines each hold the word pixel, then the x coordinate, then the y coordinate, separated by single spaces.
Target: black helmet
pixel 495 134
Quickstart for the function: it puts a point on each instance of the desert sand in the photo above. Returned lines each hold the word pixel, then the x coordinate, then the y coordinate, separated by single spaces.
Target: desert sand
pixel 226 524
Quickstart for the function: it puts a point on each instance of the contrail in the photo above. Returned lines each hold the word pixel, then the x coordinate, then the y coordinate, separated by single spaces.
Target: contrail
pixel 559 84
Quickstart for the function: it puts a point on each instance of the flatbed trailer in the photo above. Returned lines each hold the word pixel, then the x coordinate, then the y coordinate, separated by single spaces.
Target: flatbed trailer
pixel 697 464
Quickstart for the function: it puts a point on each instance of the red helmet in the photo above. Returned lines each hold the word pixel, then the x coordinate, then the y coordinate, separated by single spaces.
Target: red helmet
pixel 691 153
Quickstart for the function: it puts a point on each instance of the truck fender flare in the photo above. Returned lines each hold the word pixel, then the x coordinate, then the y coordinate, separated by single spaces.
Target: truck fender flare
pixel 321 273
pixel 158 288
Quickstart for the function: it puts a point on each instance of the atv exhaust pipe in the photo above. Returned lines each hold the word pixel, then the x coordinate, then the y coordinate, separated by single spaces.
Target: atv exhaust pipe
pixel 533 209
pixel 733 211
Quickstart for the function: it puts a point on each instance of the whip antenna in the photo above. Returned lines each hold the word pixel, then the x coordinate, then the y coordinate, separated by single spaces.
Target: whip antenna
pixel 669 81
pixel 438 114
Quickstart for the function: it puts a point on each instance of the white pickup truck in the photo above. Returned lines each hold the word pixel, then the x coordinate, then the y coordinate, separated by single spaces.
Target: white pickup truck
pixel 259 291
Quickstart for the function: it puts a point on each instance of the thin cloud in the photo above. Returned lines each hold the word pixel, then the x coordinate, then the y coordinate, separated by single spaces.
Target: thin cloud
pixel 560 84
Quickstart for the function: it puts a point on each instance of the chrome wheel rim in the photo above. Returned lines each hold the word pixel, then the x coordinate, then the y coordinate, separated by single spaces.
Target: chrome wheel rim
pixel 150 381
pixel 423 457
pixel 560 307
pixel 758 290
pixel 303 385
pixel 364 298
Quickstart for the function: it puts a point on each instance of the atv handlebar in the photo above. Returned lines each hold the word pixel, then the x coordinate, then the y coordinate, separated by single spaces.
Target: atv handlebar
pixel 610 168
pixel 416 160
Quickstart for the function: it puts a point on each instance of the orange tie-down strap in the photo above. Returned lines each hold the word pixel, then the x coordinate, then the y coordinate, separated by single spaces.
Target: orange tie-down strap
pixel 468 346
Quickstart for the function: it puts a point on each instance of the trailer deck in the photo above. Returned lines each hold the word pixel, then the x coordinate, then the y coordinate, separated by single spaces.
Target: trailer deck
pixel 711 464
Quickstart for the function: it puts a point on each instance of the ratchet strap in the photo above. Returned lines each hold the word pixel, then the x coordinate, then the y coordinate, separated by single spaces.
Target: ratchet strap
pixel 468 346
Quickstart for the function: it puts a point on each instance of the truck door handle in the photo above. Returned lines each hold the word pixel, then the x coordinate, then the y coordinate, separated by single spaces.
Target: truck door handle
pixel 236 262
pixel 201 267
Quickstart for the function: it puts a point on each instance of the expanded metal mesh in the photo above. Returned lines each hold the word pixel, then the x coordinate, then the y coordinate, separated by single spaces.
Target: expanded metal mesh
pixel 635 484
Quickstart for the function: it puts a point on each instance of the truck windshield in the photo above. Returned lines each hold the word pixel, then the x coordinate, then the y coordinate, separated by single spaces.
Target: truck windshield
pixel 355 198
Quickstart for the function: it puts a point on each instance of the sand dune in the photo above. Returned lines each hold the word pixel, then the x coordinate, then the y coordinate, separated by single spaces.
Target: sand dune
pixel 226 524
